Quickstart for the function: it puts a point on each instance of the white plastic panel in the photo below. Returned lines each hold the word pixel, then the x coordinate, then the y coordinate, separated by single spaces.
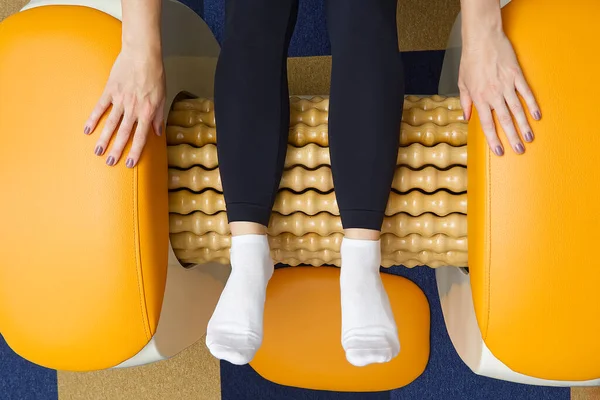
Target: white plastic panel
pixel 190 299
pixel 111 7
pixel 454 288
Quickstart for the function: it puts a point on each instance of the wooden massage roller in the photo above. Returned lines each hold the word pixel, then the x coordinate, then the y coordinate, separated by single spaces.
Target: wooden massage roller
pixel 425 221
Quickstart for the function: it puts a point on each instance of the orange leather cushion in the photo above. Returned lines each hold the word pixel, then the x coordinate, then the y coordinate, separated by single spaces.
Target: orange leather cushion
pixel 302 334
pixel 83 247
pixel 533 219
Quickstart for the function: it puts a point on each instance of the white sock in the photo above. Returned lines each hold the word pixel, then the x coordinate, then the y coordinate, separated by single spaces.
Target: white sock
pixel 235 329
pixel 369 333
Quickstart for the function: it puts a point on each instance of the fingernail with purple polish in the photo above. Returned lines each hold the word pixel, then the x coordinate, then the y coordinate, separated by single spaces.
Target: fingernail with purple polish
pixel 529 137
pixel 499 151
pixel 160 129
pixel 87 130
pixel 129 163
pixel 98 150
pixel 520 149
pixel 537 115
pixel 110 161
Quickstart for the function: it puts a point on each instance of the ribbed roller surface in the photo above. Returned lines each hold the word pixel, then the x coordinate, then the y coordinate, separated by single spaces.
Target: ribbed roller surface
pixel 425 221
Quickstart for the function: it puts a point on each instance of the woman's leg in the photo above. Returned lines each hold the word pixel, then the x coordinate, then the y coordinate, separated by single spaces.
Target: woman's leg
pixel 252 114
pixel 367 95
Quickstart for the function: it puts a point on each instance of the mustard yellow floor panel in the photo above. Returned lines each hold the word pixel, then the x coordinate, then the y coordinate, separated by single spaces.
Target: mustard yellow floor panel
pixel 193 374
pixel 9 7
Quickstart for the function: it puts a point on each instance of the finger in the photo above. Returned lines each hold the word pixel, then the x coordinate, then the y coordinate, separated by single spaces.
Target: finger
pixel 466 103
pixel 109 129
pixel 506 121
pixel 158 121
pixel 120 140
pixel 97 113
pixel 516 108
pixel 489 129
pixel 523 88
pixel 139 141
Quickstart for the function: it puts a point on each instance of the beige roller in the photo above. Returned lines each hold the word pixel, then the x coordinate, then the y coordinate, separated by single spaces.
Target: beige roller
pixel 322 103
pixel 430 134
pixel 298 179
pixel 430 179
pixel 415 116
pixel 189 118
pixel 191 241
pixel 311 242
pixel 390 243
pixel 198 135
pixel 202 105
pixel 195 179
pixel 313 156
pixel 301 135
pixel 310 117
pixel 412 115
pixel 186 156
pixel 311 114
pixel 441 156
pixel 303 104
pixel 199 223
pixel 299 224
pixel 435 101
pixel 323 224
pixel 321 257
pixel 454 225
pixel 311 202
pixel 415 243
pixel 427 134
pixel 416 203
pixel 428 121
pixel 202 256
pixel 309 156
pixel 425 221
pixel 185 202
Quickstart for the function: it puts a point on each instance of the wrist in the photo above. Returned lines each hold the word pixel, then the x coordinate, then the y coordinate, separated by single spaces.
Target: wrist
pixel 481 19
pixel 147 45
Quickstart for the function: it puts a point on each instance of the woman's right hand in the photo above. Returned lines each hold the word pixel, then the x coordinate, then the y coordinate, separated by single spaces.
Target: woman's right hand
pixel 136 92
pixel 490 77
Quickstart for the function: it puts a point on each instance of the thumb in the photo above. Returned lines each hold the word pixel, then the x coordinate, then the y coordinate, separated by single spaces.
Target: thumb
pixel 159 120
pixel 466 102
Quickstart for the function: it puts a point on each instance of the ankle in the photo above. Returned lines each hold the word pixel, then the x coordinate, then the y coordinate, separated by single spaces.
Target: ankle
pixel 241 228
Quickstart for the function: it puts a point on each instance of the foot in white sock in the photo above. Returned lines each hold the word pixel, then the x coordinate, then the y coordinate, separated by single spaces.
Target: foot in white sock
pixel 369 333
pixel 235 329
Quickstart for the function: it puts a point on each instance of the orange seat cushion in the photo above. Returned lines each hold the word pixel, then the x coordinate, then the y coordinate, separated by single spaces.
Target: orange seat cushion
pixel 302 334
pixel 533 219
pixel 83 247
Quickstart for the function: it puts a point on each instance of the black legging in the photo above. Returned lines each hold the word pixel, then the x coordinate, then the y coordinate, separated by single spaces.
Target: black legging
pixel 252 106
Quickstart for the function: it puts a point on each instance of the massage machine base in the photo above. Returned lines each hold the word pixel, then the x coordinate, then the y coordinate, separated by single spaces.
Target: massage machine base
pixel 120 267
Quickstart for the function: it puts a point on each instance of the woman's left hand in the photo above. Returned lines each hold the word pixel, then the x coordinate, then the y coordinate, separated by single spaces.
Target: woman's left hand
pixel 490 78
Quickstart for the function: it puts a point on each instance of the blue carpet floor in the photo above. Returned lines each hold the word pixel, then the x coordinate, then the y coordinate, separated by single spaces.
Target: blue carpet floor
pixel 446 377
pixel 22 380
